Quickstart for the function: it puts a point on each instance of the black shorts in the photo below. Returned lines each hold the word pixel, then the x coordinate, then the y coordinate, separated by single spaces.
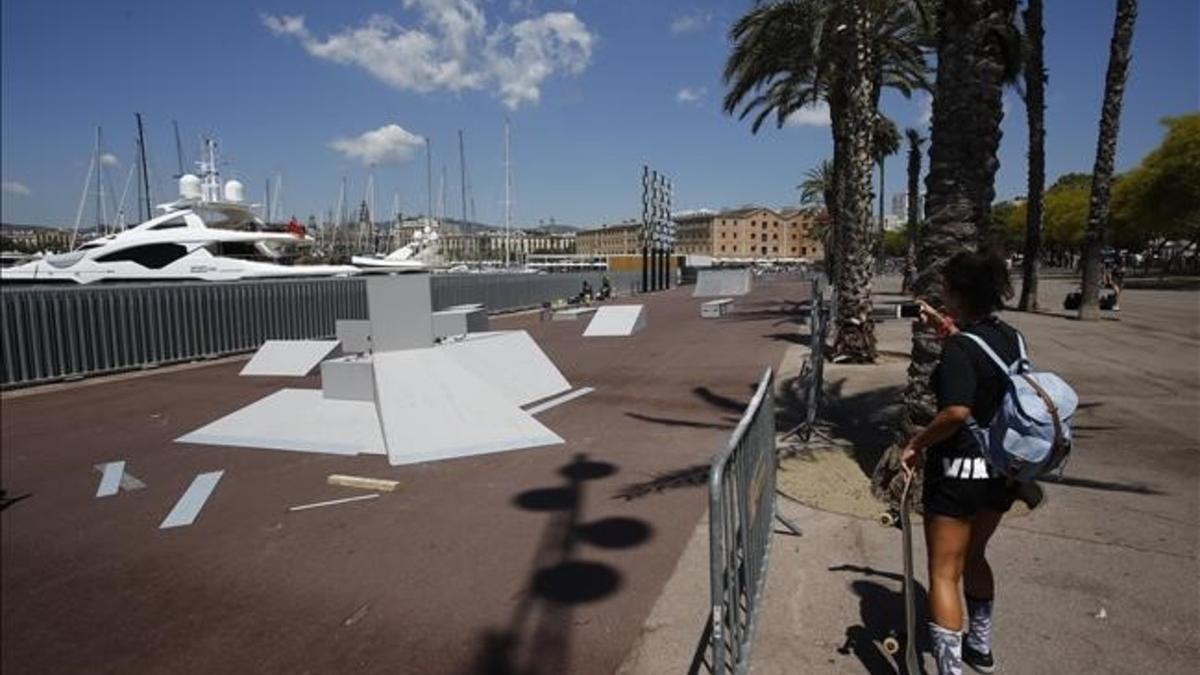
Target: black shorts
pixel 964 497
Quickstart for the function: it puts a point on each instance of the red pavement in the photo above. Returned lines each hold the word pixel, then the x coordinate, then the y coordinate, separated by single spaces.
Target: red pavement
pixel 520 562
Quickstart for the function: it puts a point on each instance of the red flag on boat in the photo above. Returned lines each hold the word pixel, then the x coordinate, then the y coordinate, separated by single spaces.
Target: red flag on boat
pixel 296 228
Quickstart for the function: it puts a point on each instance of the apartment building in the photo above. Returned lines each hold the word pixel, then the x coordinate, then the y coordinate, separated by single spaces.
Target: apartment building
pixel 619 239
pixel 751 233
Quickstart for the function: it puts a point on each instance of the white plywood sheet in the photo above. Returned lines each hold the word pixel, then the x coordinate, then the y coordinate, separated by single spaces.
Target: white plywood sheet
pixel 110 480
pixel 289 358
pixel 188 507
pixel 716 283
pixel 511 362
pixel 431 408
pixel 617 320
pixel 301 420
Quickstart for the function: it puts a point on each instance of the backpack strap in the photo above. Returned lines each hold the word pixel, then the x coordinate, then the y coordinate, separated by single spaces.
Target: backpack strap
pixel 1004 367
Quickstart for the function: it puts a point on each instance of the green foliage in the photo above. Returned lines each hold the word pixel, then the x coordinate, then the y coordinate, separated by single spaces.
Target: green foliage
pixel 1161 197
pixel 895 243
pixel 1064 218
pixel 817 184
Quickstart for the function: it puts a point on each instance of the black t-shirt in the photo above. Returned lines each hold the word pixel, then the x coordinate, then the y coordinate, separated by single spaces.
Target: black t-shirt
pixel 965 375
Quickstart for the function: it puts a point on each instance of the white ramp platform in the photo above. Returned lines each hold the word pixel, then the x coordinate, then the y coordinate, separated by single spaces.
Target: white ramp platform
pixel 511 362
pixel 289 358
pixel 617 321
pixel 574 314
pixel 431 408
pixel 718 283
pixel 301 420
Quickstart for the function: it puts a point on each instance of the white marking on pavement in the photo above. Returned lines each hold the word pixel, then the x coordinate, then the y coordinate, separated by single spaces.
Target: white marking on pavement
pixel 110 482
pixel 189 505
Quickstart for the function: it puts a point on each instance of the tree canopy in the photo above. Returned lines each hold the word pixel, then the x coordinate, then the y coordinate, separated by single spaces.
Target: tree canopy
pixel 1159 199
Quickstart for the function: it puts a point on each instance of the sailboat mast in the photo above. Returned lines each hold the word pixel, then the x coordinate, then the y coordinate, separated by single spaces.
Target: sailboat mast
pixel 142 159
pixel 507 189
pixel 99 191
pixel 429 179
pixel 462 167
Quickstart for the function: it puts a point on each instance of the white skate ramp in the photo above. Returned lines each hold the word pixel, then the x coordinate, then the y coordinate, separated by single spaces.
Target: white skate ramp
pixel 297 419
pixel 617 321
pixel 719 283
pixel 289 358
pixel 432 408
pixel 511 362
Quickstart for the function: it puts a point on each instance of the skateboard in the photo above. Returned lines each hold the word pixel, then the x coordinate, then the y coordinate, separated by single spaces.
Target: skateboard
pixel 892 643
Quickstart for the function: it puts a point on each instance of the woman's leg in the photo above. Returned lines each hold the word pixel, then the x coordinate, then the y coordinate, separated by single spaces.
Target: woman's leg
pixel 980 588
pixel 947 541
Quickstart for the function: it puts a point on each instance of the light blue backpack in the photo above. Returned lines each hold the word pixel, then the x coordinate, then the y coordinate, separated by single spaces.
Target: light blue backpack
pixel 1031 432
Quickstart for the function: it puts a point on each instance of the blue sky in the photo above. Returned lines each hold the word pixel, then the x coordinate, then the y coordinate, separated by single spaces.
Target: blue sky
pixel 594 89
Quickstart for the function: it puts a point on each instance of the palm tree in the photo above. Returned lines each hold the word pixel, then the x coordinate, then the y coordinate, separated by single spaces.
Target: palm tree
pixel 795 53
pixel 817 190
pixel 978 52
pixel 915 140
pixel 1035 112
pixel 1106 147
pixel 885 143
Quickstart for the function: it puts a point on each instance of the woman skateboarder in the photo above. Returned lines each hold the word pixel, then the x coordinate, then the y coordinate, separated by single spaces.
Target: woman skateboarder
pixel 963 498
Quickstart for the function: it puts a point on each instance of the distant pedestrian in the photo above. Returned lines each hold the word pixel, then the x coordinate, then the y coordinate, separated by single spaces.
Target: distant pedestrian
pixel 964 498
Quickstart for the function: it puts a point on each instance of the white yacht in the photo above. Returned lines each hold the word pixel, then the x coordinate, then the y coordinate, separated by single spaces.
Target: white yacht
pixel 206 235
pixel 415 256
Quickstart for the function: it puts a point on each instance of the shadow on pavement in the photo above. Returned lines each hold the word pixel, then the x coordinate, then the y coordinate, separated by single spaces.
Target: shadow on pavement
pixel 537 639
pixel 671 422
pixel 1109 486
pixel 687 477
pixel 865 419
pixel 881 611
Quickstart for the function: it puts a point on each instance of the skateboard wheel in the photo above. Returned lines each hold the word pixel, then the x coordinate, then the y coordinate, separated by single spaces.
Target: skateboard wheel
pixel 888 519
pixel 891 645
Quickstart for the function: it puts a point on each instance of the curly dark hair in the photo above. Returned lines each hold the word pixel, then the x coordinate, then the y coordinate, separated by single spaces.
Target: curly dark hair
pixel 979 279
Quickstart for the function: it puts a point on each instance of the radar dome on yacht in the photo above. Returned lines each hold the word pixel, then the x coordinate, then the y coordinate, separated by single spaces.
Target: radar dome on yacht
pixel 189 186
pixel 234 191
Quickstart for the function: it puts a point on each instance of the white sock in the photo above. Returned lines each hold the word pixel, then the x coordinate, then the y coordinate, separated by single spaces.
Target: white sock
pixel 979 625
pixel 947 649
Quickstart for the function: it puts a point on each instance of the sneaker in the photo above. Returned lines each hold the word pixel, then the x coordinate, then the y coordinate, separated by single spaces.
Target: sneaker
pixel 981 662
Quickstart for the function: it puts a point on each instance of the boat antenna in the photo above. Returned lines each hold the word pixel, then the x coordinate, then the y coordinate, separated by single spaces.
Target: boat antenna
pixel 267 202
pixel 178 149
pixel 142 160
pixel 99 190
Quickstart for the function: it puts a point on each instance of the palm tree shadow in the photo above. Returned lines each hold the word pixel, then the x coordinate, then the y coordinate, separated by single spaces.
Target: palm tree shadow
pixel 867 420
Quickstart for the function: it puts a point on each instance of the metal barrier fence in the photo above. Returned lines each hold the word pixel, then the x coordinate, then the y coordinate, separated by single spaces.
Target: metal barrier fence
pixel 49 334
pixel 741 512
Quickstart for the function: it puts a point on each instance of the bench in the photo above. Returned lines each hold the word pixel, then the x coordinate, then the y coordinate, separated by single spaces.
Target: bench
pixel 716 308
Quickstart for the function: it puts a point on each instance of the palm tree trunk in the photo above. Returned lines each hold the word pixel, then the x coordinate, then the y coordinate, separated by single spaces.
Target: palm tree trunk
pixel 855 340
pixel 960 185
pixel 1035 109
pixel 1119 53
pixel 914 200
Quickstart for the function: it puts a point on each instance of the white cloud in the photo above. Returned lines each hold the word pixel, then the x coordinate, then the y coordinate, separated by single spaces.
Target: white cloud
pixel 816 115
pixel 925 109
pixel 691 22
pixel 109 159
pixel 12 187
pixel 389 144
pixel 453 48
pixel 690 94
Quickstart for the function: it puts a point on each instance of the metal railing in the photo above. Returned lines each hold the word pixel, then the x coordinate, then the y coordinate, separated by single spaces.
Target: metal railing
pixel 741 512
pixel 55 333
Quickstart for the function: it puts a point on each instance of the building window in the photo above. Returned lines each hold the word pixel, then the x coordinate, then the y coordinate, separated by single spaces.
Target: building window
pixel 764 236
pixel 803 250
pixel 775 236
pixel 722 247
pixel 793 249
pixel 774 249
pixel 764 250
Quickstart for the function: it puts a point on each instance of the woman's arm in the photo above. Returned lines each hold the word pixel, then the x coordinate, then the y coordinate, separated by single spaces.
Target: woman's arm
pixel 943 426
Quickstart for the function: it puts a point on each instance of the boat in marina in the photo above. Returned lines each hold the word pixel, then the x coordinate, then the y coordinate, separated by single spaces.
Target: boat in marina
pixel 209 234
